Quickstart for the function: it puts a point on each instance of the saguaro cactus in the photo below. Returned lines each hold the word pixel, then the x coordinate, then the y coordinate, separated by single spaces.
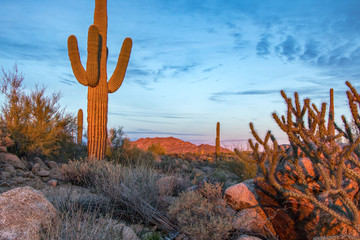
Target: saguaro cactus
pixel 95 77
pixel 79 126
pixel 217 140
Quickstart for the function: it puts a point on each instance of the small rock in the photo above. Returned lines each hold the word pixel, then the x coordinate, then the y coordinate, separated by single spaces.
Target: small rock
pixel 5 175
pixel 52 165
pixel 129 234
pixel 52 182
pixel 4 184
pixel 42 164
pixel 56 173
pixel 28 175
pixel 12 159
pixel 36 183
pixel 19 180
pixel 247 237
pixel 10 169
pixel 43 173
pixel 12 183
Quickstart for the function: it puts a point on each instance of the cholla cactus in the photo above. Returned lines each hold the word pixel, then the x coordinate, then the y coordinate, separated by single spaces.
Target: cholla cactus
pixel 95 77
pixel 334 166
pixel 217 140
pixel 79 126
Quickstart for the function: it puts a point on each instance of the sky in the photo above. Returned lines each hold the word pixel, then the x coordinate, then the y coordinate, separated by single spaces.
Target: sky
pixel 193 62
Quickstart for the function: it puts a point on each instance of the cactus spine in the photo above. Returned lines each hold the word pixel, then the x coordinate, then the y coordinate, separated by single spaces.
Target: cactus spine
pixel 95 77
pixel 217 140
pixel 79 126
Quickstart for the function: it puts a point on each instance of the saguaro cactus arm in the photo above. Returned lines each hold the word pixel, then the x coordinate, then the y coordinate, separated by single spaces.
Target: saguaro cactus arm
pixel 90 77
pixel 80 126
pixel 120 70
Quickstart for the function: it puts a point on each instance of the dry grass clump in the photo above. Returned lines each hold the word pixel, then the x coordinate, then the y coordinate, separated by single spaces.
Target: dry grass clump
pixel 132 190
pixel 203 214
pixel 79 221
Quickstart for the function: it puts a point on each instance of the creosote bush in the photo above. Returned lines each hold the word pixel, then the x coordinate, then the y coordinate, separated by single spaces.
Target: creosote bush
pixel 203 214
pixel 156 148
pixel 34 121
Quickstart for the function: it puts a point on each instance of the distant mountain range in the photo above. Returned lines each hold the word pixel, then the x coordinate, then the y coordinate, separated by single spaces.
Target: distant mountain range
pixel 175 145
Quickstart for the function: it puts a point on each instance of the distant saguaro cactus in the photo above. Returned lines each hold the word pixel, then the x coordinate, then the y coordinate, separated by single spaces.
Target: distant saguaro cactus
pixel 95 77
pixel 217 140
pixel 79 126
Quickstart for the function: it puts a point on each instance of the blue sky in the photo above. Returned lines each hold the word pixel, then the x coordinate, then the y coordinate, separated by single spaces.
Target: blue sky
pixel 193 62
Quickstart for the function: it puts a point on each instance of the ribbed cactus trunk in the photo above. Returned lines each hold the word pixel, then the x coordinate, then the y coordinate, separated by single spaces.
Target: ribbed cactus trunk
pixel 79 126
pixel 95 77
pixel 97 108
pixel 217 140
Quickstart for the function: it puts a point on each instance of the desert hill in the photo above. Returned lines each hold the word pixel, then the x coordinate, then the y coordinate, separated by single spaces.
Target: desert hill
pixel 175 145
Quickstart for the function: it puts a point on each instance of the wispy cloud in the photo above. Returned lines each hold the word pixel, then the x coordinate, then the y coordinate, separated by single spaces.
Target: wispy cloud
pixel 289 48
pixel 160 133
pixel 263 46
pixel 221 96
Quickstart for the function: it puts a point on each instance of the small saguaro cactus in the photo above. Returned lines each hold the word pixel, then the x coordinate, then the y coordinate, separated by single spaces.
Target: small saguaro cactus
pixel 217 140
pixel 95 77
pixel 79 126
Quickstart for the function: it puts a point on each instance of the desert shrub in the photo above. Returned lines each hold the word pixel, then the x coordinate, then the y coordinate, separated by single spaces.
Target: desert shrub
pixel 120 150
pixel 157 149
pixel 152 236
pixel 244 166
pixel 131 189
pixel 80 223
pixel 34 121
pixel 5 139
pixel 203 214
pixel 115 143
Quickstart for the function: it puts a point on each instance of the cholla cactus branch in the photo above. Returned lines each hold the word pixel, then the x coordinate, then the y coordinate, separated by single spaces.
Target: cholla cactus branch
pixel 317 142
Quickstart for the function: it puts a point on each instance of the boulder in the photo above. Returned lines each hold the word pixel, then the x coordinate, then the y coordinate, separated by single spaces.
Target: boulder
pixel 55 173
pixel 39 170
pixel 254 220
pixel 242 195
pixel 10 168
pixel 52 165
pixel 12 159
pixel 129 234
pixel 247 237
pixel 42 164
pixel 24 213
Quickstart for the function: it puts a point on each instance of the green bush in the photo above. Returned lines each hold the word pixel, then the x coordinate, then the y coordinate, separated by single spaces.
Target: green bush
pixel 35 122
pixel 157 149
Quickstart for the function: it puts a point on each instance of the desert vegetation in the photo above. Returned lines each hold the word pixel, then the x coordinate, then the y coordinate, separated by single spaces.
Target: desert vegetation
pixel 107 188
pixel 311 183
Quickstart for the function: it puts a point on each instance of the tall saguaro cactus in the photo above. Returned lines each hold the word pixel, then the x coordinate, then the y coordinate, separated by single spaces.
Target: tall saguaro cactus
pixel 217 140
pixel 79 126
pixel 95 77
